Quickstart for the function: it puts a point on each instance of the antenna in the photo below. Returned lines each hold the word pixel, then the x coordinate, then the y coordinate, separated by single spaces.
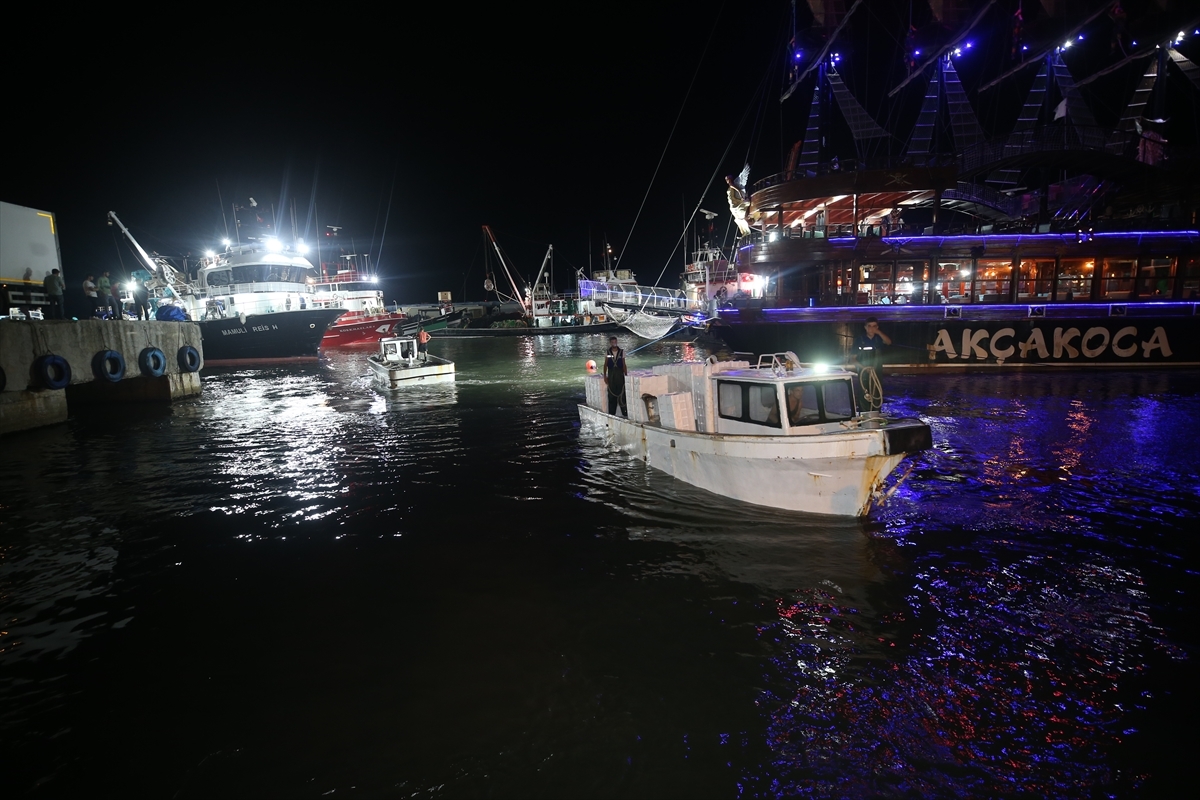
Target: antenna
pixel 708 214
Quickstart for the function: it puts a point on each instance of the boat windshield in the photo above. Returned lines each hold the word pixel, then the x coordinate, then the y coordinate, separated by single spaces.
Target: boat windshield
pixel 270 273
pixel 812 402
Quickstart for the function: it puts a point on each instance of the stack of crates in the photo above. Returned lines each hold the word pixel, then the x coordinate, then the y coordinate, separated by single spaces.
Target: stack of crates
pixel 640 382
pixel 675 411
pixel 595 390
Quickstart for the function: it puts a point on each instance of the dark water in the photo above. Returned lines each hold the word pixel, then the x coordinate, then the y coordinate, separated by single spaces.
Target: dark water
pixel 297 586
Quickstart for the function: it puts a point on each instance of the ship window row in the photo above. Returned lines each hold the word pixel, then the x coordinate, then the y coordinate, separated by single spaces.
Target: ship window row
pixel 259 273
pixel 807 403
pixel 991 280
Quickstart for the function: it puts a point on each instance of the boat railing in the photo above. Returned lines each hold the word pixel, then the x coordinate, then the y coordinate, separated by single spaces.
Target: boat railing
pixel 623 295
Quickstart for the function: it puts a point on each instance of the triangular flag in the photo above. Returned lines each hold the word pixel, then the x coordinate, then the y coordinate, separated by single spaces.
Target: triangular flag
pixel 1060 110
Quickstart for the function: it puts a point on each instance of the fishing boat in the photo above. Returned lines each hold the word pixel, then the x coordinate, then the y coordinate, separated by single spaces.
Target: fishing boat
pixel 348 282
pixel 776 434
pixel 252 301
pixel 398 365
pixel 539 310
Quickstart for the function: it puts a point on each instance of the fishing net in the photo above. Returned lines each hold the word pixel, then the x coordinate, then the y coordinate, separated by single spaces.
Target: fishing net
pixel 647 326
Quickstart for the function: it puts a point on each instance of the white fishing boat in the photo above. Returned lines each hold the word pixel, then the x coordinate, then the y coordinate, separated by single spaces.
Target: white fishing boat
pixel 397 364
pixel 777 434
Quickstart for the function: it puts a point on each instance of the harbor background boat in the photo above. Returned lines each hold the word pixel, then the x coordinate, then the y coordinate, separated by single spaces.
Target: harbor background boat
pixel 295 584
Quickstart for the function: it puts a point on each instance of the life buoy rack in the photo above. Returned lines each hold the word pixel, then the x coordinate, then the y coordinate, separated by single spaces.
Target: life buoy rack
pixel 52 372
pixel 188 358
pixel 108 365
pixel 152 362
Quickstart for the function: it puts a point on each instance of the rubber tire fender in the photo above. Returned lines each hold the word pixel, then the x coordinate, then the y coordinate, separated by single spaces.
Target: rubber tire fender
pixel 101 366
pixel 188 358
pixel 45 368
pixel 152 362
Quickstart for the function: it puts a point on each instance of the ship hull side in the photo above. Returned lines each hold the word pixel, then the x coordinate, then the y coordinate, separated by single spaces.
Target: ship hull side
pixel 281 336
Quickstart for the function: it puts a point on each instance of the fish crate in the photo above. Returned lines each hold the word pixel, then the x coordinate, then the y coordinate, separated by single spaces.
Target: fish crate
pixel 594 390
pixel 639 384
pixel 675 411
pixel 679 376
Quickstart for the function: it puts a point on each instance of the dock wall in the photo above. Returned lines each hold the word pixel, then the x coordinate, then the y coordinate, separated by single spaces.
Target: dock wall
pixel 26 400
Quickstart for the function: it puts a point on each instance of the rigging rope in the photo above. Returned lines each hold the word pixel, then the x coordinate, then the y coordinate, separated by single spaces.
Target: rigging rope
pixel 872 388
pixel 670 136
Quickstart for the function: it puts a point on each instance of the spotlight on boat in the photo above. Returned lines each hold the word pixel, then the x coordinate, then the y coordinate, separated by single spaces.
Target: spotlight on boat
pixel 374 279
pixel 131 286
pixel 301 248
pixel 274 245
pixel 226 242
pixel 820 368
pixel 209 254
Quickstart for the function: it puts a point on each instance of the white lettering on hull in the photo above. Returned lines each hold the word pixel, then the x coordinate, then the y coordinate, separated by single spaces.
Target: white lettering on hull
pixel 980 344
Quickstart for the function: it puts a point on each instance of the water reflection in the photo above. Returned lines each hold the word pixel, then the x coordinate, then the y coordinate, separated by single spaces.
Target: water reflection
pixel 297 554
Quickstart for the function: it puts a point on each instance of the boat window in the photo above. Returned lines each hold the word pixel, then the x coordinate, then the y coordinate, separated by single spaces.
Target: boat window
pixel 764 405
pixel 802 404
pixel 838 402
pixel 729 399
pixel 220 278
pixel 748 402
pixel 275 273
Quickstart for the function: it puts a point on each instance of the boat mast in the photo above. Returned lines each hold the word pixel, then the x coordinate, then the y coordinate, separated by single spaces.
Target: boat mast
pixel 159 268
pixel 517 296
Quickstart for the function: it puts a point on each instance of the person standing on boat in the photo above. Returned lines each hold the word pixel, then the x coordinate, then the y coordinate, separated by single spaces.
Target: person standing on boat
pixel 615 371
pixel 141 300
pixel 868 356
pixel 423 338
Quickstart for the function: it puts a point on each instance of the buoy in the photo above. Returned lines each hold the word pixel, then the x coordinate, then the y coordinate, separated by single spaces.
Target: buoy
pixel 108 365
pixel 591 367
pixel 188 358
pixel 152 362
pixel 53 372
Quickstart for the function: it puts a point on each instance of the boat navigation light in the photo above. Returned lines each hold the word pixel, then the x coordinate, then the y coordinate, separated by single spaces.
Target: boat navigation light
pixel 274 245
pixel 209 254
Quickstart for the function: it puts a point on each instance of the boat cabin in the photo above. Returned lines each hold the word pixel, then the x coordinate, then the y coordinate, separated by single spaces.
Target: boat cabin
pixel 771 400
pixel 398 350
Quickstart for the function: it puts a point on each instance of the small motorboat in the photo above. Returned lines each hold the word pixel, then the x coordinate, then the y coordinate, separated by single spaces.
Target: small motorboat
pixel 397 364
pixel 777 434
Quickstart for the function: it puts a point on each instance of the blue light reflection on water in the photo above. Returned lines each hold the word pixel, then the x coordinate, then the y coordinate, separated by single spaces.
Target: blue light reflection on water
pixel 299 578
pixel 1020 660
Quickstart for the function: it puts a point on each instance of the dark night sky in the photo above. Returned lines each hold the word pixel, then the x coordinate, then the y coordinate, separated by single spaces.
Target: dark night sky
pixel 541 123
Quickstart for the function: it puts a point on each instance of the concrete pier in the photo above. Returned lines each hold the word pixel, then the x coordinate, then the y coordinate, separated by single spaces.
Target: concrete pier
pixel 31 396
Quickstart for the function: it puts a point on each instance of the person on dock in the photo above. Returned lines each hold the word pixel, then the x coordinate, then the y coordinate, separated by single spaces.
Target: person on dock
pixel 54 286
pixel 114 300
pixel 104 290
pixel 89 291
pixel 423 338
pixel 141 300
pixel 615 371
pixel 868 357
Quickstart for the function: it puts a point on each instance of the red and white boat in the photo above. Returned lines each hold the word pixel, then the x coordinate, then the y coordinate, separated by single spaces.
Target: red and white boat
pixel 351 283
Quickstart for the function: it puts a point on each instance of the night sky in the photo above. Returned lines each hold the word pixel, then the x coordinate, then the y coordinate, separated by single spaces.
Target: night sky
pixel 546 125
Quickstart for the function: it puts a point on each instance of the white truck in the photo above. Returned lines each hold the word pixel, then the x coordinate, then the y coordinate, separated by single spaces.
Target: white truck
pixel 28 251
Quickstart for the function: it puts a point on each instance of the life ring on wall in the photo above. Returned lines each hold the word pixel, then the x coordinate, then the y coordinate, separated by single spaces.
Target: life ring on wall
pixel 152 362
pixel 189 358
pixel 108 365
pixel 52 371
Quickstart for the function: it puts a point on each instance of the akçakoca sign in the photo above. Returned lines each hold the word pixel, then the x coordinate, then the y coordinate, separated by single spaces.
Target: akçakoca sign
pixel 1074 341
